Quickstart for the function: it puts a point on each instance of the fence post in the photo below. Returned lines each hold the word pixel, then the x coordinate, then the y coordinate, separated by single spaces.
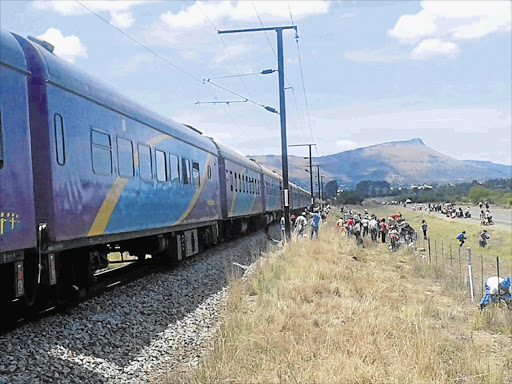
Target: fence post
pixel 442 252
pixel 482 266
pixel 470 275
pixel 429 257
pixel 460 266
pixel 498 270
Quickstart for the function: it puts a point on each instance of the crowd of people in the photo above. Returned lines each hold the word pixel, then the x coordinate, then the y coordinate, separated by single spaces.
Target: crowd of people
pixel 453 211
pixel 360 225
pixel 312 217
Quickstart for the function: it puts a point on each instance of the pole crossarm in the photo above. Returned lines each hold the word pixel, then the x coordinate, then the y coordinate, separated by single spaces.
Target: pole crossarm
pixel 257 29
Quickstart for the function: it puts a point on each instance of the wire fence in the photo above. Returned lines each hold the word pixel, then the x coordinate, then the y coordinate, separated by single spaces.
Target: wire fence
pixel 463 267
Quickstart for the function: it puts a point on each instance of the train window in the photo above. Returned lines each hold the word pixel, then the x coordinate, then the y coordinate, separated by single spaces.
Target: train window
pixel 145 163
pixel 185 165
pixel 209 172
pixel 125 157
pixel 101 147
pixel 161 165
pixel 231 179
pixel 174 167
pixel 58 127
pixel 196 179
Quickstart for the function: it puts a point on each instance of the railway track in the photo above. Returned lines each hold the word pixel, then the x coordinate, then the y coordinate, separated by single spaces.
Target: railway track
pixel 160 322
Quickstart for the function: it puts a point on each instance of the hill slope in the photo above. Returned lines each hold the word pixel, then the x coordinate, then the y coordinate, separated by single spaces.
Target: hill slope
pixel 398 162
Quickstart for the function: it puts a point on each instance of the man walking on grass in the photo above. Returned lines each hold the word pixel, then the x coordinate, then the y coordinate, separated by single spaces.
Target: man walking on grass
pixel 315 222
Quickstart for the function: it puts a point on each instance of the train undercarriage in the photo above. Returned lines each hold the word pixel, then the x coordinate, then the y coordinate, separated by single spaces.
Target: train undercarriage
pixel 43 281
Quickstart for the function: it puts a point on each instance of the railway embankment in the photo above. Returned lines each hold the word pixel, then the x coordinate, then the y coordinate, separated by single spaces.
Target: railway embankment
pixel 159 323
pixel 330 311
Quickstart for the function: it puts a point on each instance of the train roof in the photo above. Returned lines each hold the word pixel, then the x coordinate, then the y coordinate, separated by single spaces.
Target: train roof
pixel 229 154
pixel 11 53
pixel 69 77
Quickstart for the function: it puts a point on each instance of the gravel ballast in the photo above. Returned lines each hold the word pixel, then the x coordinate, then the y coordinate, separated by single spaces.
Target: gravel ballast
pixel 161 323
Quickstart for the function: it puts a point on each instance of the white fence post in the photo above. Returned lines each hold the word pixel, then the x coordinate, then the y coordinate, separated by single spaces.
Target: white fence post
pixel 470 274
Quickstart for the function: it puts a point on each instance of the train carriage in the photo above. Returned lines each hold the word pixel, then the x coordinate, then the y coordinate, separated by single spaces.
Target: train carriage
pixel 106 166
pixel 85 171
pixel 17 215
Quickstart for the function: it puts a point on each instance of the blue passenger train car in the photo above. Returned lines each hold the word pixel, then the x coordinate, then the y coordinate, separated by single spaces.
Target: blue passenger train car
pixel 17 216
pixel 85 171
pixel 107 168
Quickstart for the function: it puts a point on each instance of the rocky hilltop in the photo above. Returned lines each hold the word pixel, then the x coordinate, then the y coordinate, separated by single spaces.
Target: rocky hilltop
pixel 397 162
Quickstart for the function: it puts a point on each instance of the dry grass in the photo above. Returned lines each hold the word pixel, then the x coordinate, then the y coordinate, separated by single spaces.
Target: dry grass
pixel 313 314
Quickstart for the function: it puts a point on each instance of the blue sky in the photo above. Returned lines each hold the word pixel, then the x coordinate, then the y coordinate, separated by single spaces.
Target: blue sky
pixel 374 71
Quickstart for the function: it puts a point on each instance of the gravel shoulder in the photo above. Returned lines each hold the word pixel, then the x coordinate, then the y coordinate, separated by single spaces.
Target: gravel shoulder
pixel 164 322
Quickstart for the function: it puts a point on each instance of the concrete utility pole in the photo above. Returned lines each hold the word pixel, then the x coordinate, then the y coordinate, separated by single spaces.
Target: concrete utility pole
pixel 318 176
pixel 282 113
pixel 310 169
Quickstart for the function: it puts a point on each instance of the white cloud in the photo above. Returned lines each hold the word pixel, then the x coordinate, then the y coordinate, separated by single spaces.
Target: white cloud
pixel 454 20
pixel 193 16
pixel 194 24
pixel 119 11
pixel 434 47
pixel 67 47
pixel 410 28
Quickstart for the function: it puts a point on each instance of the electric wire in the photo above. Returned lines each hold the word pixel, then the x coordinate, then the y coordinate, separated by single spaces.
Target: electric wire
pixel 236 68
pixel 264 72
pixel 285 77
pixel 140 44
pixel 164 59
pixel 302 79
pixel 239 95
pixel 229 54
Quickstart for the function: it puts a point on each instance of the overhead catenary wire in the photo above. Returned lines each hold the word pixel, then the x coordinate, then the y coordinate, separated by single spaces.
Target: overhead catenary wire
pixel 290 86
pixel 140 44
pixel 243 97
pixel 230 57
pixel 156 54
pixel 302 79
pixel 264 72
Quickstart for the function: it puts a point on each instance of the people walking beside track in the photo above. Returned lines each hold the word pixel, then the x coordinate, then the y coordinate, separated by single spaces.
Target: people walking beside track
pixel 424 228
pixel 300 225
pixel 462 238
pixel 373 225
pixel 315 222
pixel 383 229
pixel 356 231
pixel 364 224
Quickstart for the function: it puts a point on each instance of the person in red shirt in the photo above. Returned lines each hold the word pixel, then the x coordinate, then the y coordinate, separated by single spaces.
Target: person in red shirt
pixel 383 229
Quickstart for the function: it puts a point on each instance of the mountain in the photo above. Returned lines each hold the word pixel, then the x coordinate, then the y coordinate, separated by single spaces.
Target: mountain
pixel 397 162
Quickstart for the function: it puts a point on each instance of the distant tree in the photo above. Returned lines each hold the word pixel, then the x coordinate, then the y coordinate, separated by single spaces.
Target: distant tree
pixel 370 188
pixel 479 194
pixel 349 196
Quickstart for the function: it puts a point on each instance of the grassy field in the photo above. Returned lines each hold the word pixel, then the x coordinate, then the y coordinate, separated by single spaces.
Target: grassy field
pixel 331 312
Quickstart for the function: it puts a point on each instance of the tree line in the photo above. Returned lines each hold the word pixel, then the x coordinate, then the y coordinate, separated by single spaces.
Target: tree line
pixel 496 191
